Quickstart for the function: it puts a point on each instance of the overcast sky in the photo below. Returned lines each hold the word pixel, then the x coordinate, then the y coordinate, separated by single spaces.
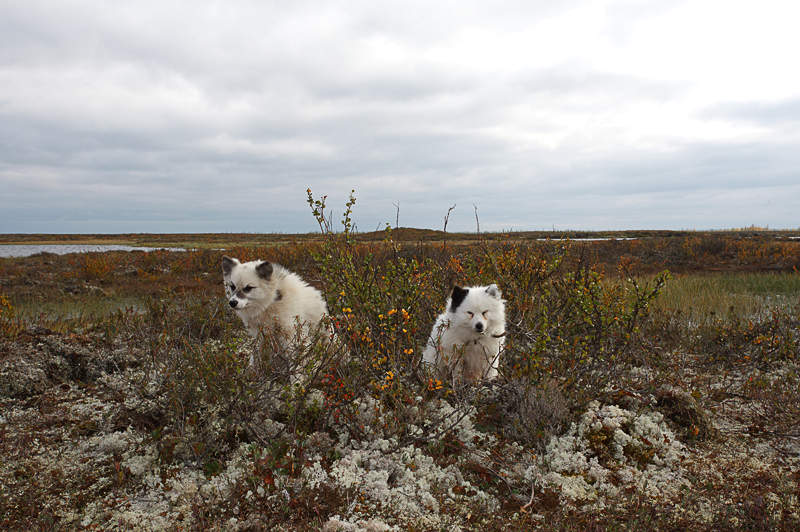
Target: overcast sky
pixel 203 116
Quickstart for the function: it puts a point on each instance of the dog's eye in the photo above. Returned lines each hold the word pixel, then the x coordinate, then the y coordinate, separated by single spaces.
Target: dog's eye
pixel 248 288
pixel 485 312
pixel 233 287
pixel 470 314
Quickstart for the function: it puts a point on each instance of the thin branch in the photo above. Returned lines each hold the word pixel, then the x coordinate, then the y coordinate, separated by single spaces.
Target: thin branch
pixel 396 215
pixel 447 219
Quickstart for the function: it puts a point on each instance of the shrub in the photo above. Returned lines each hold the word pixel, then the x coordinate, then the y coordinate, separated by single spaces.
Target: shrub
pixel 380 298
pixel 564 321
pixel 735 339
pixel 10 325
pixel 97 266
pixel 568 322
pixel 523 410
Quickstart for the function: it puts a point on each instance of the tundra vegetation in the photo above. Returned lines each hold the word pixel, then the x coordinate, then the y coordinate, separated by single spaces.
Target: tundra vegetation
pixel 649 383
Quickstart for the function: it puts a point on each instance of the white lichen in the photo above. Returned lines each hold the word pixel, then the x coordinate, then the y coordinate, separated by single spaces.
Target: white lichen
pixel 611 449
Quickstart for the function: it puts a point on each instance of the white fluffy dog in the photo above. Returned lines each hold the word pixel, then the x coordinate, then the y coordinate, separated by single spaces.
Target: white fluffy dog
pixel 469 335
pixel 267 296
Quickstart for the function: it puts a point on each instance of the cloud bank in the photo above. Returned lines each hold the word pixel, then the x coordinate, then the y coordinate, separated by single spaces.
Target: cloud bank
pixel 171 117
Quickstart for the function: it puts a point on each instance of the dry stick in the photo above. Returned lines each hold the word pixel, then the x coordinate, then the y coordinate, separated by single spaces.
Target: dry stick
pixel 497 475
pixel 445 430
pixel 446 219
pixel 533 491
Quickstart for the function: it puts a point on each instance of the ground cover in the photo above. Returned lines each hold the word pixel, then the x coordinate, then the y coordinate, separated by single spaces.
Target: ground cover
pixel 623 403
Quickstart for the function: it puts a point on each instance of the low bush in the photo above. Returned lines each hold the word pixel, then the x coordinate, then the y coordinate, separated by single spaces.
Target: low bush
pixel 570 330
pixel 10 325
pixel 755 340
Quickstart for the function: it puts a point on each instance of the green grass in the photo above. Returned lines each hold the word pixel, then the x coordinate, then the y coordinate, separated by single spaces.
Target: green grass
pixel 86 307
pixel 705 296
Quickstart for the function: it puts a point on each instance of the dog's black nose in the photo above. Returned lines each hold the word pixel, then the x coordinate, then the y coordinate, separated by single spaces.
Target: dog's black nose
pixel 233 303
pixel 479 326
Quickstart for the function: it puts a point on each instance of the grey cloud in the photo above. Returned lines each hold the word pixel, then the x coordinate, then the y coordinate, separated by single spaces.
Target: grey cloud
pixel 782 113
pixel 704 166
pixel 566 81
pixel 217 118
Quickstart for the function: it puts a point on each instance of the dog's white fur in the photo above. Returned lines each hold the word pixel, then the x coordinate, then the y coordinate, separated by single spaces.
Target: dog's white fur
pixel 468 337
pixel 267 296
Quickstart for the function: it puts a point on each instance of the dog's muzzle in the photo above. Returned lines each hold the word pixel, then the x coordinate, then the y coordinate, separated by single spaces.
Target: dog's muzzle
pixel 479 327
pixel 233 303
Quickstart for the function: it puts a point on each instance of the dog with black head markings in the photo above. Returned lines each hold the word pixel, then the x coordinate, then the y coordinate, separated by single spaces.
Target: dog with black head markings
pixel 468 337
pixel 267 296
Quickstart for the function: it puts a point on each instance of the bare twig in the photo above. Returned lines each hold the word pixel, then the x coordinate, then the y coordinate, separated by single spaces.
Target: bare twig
pixel 533 492
pixel 447 219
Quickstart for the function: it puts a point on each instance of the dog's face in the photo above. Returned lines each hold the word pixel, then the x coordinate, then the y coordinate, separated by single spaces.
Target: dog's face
pixel 247 283
pixel 478 309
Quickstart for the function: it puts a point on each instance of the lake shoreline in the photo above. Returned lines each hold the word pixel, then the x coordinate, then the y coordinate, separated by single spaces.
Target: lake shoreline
pixel 27 250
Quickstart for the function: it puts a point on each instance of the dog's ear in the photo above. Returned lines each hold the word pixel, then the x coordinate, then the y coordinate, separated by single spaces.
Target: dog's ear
pixel 228 264
pixel 493 291
pixel 264 270
pixel 457 297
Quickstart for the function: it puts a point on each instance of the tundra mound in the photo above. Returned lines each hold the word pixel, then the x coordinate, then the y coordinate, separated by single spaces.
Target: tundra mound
pixel 611 451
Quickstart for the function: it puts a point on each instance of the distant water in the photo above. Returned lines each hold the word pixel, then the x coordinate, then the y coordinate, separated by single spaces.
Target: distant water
pixel 26 250
pixel 597 239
